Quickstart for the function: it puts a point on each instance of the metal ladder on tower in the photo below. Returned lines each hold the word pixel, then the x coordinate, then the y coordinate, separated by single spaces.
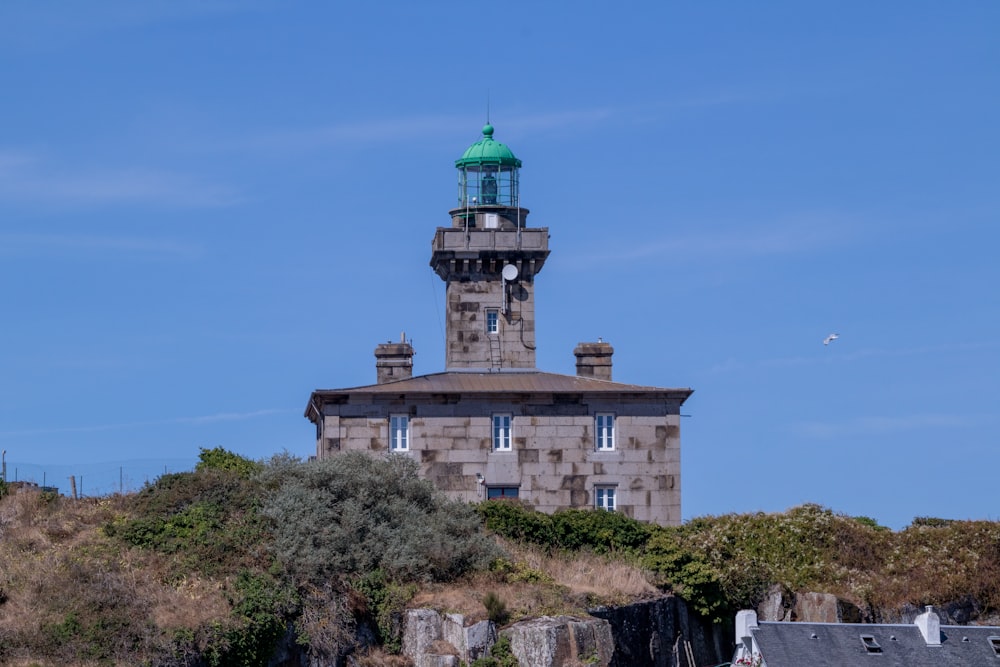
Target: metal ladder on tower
pixel 496 360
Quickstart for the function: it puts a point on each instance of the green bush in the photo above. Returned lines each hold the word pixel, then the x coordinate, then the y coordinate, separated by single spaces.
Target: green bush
pixel 500 655
pixel 386 601
pixel 684 571
pixel 517 521
pixel 572 529
pixel 207 518
pixel 354 514
pixel 496 609
pixel 599 531
pixel 222 459
pixel 261 607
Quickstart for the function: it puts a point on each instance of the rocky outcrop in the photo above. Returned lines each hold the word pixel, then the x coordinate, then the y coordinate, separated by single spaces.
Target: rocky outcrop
pixel 658 633
pixel 432 639
pixel 561 641
pixel 782 605
pixel 471 641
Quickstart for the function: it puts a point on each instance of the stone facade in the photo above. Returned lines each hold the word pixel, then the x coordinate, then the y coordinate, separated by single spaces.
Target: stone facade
pixel 471 261
pixel 553 461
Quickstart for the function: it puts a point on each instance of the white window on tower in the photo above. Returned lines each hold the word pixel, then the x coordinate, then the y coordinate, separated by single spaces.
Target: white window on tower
pixel 501 432
pixel 492 321
pixel 399 433
pixel 604 498
pixel 604 427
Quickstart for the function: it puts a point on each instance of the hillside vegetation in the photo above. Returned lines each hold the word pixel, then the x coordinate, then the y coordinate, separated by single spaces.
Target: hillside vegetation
pixel 217 566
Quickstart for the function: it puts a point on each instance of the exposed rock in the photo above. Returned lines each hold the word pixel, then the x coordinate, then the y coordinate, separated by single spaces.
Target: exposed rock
pixel 431 639
pixel 653 633
pixel 561 641
pixel 471 641
pixel 780 604
pixel 776 605
pixel 421 628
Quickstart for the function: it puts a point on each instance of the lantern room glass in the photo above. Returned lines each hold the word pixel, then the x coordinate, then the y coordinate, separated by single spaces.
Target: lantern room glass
pixel 487 185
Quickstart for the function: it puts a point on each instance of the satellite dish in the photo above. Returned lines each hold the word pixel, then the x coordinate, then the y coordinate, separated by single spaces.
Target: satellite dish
pixel 509 272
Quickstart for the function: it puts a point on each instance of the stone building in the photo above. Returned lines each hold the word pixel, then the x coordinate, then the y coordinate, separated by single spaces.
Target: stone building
pixel 491 425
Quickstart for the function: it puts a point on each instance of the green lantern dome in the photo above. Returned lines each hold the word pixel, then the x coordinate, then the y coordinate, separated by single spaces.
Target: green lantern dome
pixel 488 174
pixel 486 151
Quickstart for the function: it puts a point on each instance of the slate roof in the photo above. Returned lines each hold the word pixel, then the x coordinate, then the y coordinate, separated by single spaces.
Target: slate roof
pixel 504 381
pixel 499 382
pixel 796 644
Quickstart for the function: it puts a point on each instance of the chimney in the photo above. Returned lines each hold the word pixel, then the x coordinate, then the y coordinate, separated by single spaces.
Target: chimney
pixel 930 626
pixel 594 360
pixel 394 361
pixel 746 620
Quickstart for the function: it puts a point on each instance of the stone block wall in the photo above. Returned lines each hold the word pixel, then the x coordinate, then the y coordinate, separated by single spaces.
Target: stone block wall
pixel 553 461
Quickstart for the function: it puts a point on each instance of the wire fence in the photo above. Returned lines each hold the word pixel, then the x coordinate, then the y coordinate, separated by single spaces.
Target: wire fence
pixel 95 479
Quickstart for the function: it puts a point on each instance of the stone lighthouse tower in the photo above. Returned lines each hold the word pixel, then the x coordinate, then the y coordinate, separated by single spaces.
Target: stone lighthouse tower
pixel 489 258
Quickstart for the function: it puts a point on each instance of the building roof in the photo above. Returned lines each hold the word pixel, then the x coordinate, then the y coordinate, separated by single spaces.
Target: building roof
pixel 487 151
pixel 505 381
pixel 793 644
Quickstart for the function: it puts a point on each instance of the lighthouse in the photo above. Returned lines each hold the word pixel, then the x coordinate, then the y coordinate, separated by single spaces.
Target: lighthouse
pixel 489 258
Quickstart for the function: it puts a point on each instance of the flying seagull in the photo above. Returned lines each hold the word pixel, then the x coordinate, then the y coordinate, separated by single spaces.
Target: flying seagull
pixel 829 339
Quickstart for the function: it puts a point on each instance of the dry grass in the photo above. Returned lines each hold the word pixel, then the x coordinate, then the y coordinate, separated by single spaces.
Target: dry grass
pixel 600 577
pixel 56 564
pixel 379 658
pixel 542 584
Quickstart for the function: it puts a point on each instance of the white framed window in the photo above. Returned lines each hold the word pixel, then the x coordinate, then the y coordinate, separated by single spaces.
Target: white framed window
pixel 605 497
pixel 604 429
pixel 399 433
pixel 501 432
pixel 498 492
pixel 492 321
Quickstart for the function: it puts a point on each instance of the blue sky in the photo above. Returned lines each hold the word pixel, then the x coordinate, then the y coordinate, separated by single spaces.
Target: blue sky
pixel 209 209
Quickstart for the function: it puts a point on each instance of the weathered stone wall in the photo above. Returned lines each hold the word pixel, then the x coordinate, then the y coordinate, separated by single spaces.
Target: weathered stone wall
pixel 553 460
pixel 469 344
pixel 471 262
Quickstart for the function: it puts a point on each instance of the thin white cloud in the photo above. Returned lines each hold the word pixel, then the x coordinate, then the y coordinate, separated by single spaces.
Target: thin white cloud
pixel 387 130
pixel 368 132
pixel 349 133
pixel 204 419
pixel 827 357
pixel 807 232
pixel 36 27
pixel 92 245
pixel 29 178
pixel 882 425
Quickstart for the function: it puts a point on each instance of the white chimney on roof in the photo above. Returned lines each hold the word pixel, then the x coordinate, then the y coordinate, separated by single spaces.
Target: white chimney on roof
pixel 930 626
pixel 745 620
pixel 746 645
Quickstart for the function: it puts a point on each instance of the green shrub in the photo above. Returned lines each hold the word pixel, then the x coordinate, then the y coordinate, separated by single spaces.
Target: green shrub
pixel 687 574
pixel 517 521
pixel 221 459
pixel 208 519
pixel 572 529
pixel 496 609
pixel 599 531
pixel 261 608
pixel 354 514
pixel 500 655
pixel 386 601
